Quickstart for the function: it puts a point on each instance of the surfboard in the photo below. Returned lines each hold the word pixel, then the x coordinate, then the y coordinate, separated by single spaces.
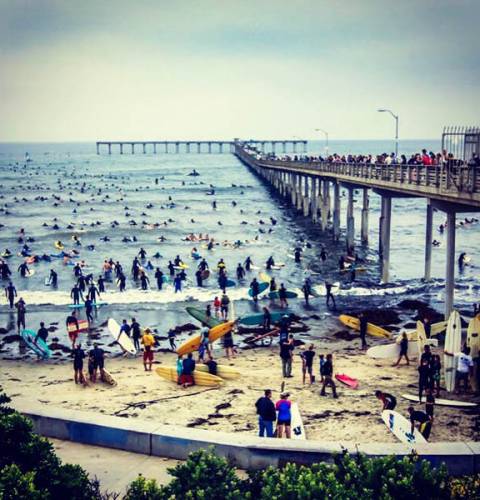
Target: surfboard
pixel 421 338
pixel 205 274
pixel 226 372
pixel 473 336
pixel 453 344
pixel 275 295
pixel 392 351
pixel 230 283
pixel 257 319
pixel 345 379
pixel 30 273
pixel 297 429
pixel 401 428
pixel 83 325
pixel 107 378
pixel 40 348
pixel 76 306
pixel 47 281
pixel 6 255
pixel 262 287
pixel 374 330
pixel 441 402
pixel 123 339
pixel 200 315
pixel 265 278
pixel 201 378
pixel 214 334
pixel 58 245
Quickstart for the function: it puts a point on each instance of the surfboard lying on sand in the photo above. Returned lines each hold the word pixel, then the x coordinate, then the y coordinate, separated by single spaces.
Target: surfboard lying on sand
pixel 201 378
pixel 200 315
pixel 345 379
pixel 298 430
pixel 40 348
pixel 257 319
pixel 373 330
pixel 223 371
pixel 441 402
pixel 123 339
pixel 214 334
pixel 401 427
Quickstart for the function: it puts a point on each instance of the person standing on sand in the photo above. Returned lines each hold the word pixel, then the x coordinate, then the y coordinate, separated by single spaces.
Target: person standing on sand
pixel 78 357
pixel 284 420
pixel 136 334
pixel 72 321
pixel 171 339
pixel 188 367
pixel 228 345
pixel 148 342
pixel 363 330
pixel 423 378
pixel 21 313
pixel 307 357
pixel 329 294
pixel 225 301
pixel 266 414
pixel 389 402
pixel 97 356
pixel 403 350
pixel 286 354
pixel 328 377
pixel 267 320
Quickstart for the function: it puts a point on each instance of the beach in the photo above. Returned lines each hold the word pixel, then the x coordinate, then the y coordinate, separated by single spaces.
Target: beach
pixel 354 416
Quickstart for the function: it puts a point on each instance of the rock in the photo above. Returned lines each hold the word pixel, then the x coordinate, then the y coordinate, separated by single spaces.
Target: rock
pixel 12 338
pixel 345 335
pixel 55 346
pixel 3 331
pixel 197 421
pixel 187 327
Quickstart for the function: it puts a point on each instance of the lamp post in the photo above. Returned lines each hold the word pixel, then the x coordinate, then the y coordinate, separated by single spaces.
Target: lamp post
pixel 396 128
pixel 326 139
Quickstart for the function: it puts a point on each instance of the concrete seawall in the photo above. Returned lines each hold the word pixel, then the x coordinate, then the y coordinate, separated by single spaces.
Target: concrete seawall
pixel 246 452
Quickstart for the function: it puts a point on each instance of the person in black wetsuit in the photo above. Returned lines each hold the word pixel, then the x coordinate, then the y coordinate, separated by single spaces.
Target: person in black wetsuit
pixel 267 320
pixel 240 272
pixel 121 282
pixel 11 293
pixel 329 294
pixel 423 419
pixel 254 286
pixel 89 309
pixel 78 357
pixel 248 264
pixel 42 333
pixel 93 292
pixel 389 402
pixel 136 333
pixel 363 329
pixel 159 278
pixel 53 278
pixel 101 285
pixel 76 294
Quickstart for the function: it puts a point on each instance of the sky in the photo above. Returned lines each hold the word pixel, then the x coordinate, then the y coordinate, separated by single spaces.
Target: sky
pixel 201 69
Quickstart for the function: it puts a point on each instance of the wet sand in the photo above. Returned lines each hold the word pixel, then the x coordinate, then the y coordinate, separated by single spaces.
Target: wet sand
pixel 355 416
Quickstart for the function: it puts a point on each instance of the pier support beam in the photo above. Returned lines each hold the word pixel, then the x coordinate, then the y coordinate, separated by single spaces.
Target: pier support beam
pixel 144 148
pixel 325 205
pixel 450 259
pixel 154 148
pixel 133 148
pixel 314 198
pixel 385 236
pixel 306 199
pixel 350 223
pixel 364 228
pixel 428 242
pixel 337 206
pixel 98 148
pixel 109 148
pixel 299 196
pixel 177 147
pixel 121 148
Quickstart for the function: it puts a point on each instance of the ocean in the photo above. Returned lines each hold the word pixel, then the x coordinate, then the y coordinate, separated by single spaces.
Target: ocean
pixel 73 187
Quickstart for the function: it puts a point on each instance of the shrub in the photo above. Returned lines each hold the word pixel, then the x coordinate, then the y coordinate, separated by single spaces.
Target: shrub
pixel 465 487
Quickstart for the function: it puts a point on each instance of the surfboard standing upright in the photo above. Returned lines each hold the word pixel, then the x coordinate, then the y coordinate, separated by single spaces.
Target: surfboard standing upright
pixel 453 344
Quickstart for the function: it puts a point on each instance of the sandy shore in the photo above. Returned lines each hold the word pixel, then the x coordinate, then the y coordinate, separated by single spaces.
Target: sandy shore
pixel 355 416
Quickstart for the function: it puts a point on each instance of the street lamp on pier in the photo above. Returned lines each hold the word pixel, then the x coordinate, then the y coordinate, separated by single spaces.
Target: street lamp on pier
pixel 396 128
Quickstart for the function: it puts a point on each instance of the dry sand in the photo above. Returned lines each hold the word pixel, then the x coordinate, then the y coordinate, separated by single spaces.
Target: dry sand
pixel 355 416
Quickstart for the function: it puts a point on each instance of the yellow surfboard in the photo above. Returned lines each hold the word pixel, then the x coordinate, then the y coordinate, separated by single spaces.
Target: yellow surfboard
pixel 226 372
pixel 201 378
pixel 214 334
pixel 264 277
pixel 373 330
pixel 473 336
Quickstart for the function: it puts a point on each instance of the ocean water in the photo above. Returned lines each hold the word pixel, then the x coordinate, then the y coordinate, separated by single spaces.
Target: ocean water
pixel 69 185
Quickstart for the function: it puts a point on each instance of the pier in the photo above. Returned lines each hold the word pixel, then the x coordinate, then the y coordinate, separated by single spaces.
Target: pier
pixel 311 186
pixel 190 146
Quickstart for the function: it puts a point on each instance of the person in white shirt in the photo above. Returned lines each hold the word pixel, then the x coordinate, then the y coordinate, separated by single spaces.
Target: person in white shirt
pixel 464 367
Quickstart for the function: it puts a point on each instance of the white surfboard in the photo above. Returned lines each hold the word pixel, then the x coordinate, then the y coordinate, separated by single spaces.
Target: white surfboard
pixel 421 338
pixel 124 340
pixel 298 430
pixel 401 428
pixel 391 351
pixel 473 336
pixel 453 344
pixel 441 402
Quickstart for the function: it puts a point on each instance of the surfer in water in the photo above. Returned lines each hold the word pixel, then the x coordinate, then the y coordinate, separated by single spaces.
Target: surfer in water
pixel 11 293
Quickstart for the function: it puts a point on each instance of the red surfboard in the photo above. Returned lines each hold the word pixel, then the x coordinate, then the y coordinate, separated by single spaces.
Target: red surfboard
pixel 82 326
pixel 345 379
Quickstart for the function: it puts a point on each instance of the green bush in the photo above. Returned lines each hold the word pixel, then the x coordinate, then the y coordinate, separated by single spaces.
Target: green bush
pixel 28 462
pixel 465 487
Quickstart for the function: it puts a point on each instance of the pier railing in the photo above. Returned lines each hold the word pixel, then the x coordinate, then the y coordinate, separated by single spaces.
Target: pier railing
pixel 460 182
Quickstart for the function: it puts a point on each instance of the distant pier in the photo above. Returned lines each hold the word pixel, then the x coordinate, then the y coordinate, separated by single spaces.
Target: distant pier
pixel 219 147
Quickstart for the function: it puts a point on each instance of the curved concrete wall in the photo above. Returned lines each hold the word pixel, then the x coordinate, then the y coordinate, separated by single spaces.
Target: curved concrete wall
pixel 246 452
